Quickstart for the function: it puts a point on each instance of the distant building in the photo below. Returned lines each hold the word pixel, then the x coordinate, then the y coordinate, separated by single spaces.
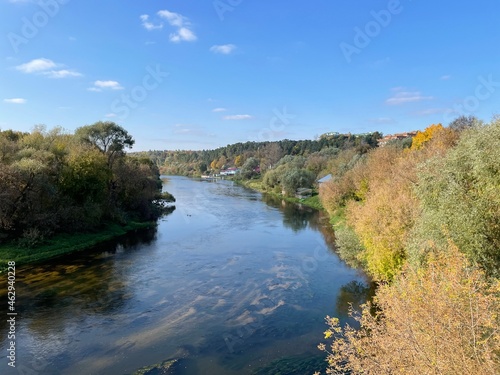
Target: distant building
pixel 391 137
pixel 327 178
pixel 334 134
pixel 330 134
pixel 302 193
pixel 229 172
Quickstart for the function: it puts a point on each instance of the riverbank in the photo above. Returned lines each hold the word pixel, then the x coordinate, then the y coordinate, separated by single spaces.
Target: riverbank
pixel 313 202
pixel 66 243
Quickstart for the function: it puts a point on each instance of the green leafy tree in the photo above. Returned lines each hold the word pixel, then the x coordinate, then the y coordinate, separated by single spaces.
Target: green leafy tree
pixel 108 137
pixel 248 168
pixel 460 198
pixel 295 178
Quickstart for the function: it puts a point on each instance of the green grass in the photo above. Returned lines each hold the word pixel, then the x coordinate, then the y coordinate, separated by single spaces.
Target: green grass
pixel 338 219
pixel 64 244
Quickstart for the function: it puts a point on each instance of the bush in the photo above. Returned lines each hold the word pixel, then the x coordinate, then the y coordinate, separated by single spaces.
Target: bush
pixel 442 319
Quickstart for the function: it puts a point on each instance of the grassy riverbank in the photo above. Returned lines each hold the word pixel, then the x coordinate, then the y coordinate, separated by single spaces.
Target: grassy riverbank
pixel 65 244
pixel 312 202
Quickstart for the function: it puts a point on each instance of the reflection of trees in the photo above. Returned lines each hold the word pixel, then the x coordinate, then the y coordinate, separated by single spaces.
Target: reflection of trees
pixel 83 285
pixel 295 216
pixel 353 294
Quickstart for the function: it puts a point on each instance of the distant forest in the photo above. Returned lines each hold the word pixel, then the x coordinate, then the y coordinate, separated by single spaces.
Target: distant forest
pixel 190 163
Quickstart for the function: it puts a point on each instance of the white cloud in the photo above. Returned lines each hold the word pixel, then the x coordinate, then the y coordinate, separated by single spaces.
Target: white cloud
pixel 224 49
pixel 149 25
pixel 432 111
pixel 15 101
pixel 46 67
pixel 174 19
pixel 36 65
pixel 219 110
pixel 184 32
pixel 238 117
pixel 105 85
pixel 403 97
pixel 63 73
pixel 110 115
pixel 445 77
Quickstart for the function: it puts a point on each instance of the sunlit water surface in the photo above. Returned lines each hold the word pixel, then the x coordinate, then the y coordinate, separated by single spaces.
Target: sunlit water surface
pixel 229 283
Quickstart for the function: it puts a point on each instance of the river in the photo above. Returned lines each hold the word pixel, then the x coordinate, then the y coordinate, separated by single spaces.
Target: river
pixel 231 282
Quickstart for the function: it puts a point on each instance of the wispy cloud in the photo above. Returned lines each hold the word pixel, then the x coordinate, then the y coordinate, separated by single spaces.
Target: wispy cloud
pixel 15 101
pixel 191 130
pixel 219 110
pixel 149 25
pixel 402 97
pixel 238 117
pixel 110 115
pixel 224 49
pixel 105 85
pixel 63 73
pixel 432 111
pixel 445 77
pixel 47 68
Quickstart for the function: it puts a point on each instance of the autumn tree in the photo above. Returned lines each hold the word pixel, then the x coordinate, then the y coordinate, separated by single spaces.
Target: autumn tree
pixel 221 162
pixel 422 137
pixel 238 161
pixel 269 155
pixel 440 319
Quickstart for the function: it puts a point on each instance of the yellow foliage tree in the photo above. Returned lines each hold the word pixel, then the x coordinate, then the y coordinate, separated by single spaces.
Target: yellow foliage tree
pixel 221 162
pixel 441 319
pixel 423 137
pixel 387 211
pixel 238 161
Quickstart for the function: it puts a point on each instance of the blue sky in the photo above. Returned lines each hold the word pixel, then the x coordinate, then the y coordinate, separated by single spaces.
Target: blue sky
pixel 201 74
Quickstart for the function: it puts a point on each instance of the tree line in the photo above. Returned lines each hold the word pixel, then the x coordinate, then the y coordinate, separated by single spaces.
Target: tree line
pixel 267 154
pixel 54 182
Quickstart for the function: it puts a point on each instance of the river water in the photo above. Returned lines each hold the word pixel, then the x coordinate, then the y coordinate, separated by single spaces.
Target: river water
pixel 232 282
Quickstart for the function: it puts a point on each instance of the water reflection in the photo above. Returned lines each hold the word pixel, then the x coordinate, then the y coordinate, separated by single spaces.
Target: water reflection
pixel 353 295
pixel 74 286
pixel 228 282
pixel 296 217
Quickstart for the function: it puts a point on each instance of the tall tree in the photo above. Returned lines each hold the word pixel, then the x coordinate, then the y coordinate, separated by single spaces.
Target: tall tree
pixel 107 136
